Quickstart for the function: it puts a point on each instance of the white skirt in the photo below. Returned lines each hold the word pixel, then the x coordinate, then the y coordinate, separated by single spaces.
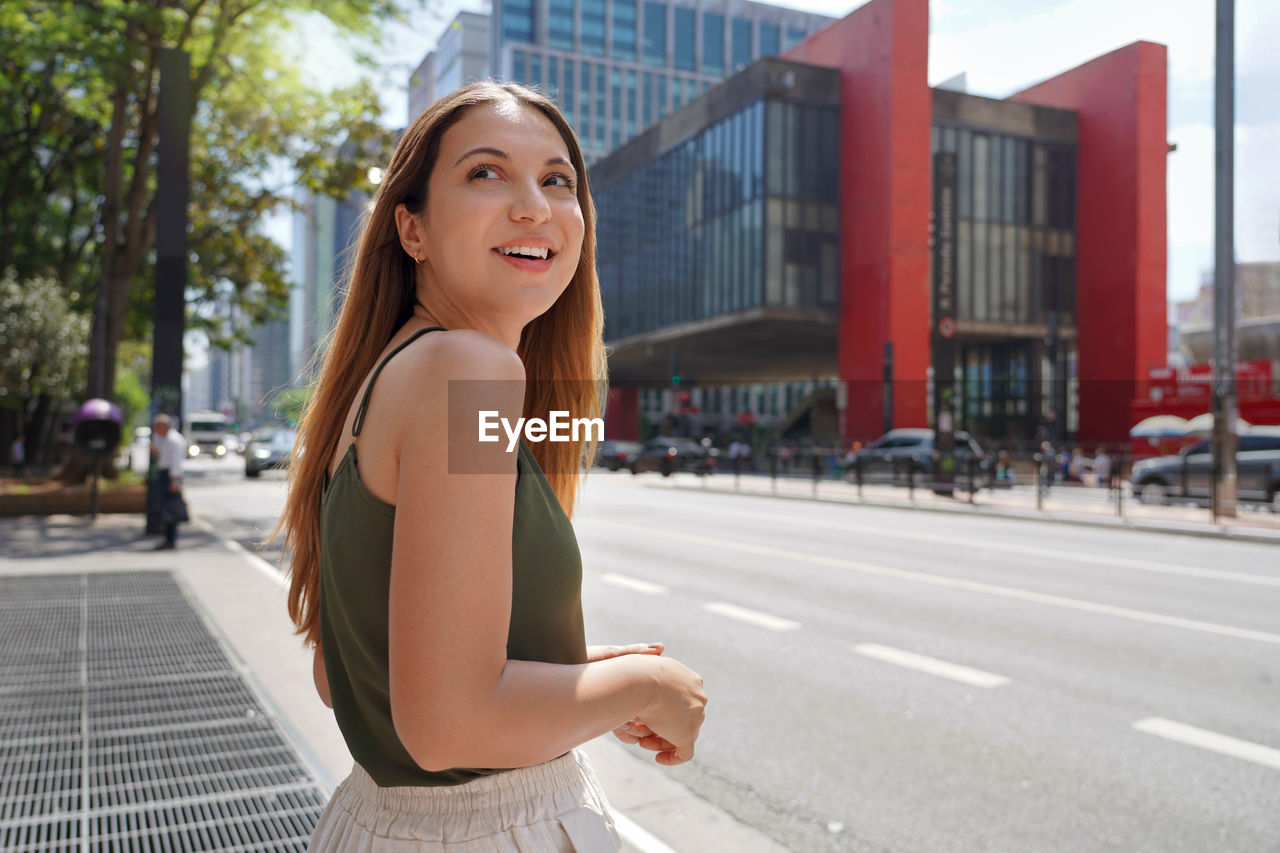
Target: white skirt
pixel 556 807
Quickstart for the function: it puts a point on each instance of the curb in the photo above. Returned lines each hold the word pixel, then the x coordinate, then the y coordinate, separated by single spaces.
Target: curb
pixel 1143 525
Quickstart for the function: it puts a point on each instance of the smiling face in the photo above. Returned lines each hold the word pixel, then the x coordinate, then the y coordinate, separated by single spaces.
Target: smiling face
pixel 502 230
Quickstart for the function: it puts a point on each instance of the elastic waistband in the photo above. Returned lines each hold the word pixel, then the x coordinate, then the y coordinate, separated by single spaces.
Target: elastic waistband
pixel 562 777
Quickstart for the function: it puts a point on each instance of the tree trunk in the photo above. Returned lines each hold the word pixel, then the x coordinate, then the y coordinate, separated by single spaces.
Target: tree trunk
pixel 34 428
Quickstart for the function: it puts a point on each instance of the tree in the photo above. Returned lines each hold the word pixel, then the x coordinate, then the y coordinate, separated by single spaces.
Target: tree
pixel 79 126
pixel 43 349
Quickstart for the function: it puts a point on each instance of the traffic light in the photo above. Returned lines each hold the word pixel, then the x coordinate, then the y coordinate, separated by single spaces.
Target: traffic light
pixel 675 379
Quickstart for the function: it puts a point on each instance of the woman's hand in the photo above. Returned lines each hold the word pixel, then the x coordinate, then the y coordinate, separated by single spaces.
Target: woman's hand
pixel 670 725
pixel 634 731
pixel 599 653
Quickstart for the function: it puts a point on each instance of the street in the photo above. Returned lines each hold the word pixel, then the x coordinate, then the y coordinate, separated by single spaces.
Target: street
pixel 896 680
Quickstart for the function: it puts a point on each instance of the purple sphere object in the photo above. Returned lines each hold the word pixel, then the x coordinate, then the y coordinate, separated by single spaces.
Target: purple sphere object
pixel 98 409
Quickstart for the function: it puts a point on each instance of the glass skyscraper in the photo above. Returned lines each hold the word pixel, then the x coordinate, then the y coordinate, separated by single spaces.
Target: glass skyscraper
pixel 618 66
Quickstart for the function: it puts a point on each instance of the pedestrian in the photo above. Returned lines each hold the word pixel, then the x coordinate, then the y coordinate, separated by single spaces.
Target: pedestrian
pixel 170 450
pixel 18 457
pixel 735 456
pixel 1102 467
pixel 444 607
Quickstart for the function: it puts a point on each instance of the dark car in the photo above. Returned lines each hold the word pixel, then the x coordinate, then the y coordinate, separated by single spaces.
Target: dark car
pixel 614 453
pixel 906 455
pixel 1188 474
pixel 667 455
pixel 268 450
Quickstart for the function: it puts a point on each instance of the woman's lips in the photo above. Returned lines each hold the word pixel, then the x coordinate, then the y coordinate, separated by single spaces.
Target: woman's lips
pixel 527 264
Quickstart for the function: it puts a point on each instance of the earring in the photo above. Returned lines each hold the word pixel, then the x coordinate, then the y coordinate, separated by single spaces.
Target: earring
pixel 417 259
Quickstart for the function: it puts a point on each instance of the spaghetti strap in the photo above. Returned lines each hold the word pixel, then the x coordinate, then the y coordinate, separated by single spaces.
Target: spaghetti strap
pixel 364 404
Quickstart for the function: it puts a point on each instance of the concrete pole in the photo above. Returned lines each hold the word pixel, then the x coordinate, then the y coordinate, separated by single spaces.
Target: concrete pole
pixel 172 193
pixel 1223 500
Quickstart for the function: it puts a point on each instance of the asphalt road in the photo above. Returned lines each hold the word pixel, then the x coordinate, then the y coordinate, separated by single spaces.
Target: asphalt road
pixel 891 680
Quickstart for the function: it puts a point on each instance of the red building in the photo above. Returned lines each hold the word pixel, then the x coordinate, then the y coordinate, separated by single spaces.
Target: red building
pixel 729 257
pixel 1115 331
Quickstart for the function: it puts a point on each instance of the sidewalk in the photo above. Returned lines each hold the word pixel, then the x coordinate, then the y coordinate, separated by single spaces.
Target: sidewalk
pixel 243 601
pixel 1064 504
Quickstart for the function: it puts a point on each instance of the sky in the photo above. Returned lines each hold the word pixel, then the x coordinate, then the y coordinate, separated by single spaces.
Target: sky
pixel 1006 45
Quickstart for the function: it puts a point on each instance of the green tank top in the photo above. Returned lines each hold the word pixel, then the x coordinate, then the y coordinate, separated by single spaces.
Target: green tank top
pixel 355 577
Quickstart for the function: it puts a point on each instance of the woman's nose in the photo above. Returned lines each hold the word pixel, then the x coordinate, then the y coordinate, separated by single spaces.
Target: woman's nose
pixel 530 204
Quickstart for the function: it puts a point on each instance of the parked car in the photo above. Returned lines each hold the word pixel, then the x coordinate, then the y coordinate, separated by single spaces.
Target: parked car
pixel 616 453
pixel 667 455
pixel 268 450
pixel 1188 475
pixel 903 455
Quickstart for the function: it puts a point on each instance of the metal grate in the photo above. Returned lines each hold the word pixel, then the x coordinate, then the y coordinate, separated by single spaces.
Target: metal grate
pixel 124 726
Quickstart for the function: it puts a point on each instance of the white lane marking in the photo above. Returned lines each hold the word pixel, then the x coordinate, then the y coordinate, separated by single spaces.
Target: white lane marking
pixel 933 666
pixel 275 575
pixel 751 617
pixel 634 584
pixel 637 836
pixel 1008 547
pixel 1212 741
pixel 952 583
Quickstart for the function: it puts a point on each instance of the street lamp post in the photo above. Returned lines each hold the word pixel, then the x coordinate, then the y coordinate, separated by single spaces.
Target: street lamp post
pixel 1223 494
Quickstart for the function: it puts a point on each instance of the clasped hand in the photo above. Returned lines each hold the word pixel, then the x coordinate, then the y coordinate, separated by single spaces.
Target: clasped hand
pixel 636 731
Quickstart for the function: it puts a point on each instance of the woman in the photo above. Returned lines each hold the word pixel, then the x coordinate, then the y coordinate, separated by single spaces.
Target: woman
pixel 438 578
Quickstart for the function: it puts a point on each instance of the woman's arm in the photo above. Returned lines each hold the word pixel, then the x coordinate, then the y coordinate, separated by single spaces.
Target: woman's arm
pixel 455 698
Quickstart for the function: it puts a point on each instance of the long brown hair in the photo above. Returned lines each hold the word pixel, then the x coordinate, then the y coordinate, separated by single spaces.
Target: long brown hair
pixel 565 343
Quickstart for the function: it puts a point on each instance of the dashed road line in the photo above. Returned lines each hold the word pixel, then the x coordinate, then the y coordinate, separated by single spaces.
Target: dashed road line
pixel 1212 741
pixel 634 584
pixel 751 617
pixel 932 666
pixel 951 583
pixel 1009 547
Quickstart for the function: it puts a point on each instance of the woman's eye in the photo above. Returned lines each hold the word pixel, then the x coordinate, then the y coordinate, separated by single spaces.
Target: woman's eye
pixel 491 172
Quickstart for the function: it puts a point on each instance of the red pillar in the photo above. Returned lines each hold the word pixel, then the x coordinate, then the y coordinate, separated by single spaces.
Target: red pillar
pixel 1121 230
pixel 622 414
pixel 882 50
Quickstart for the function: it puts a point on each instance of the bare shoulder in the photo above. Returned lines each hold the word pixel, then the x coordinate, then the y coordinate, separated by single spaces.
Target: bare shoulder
pixel 439 384
pixel 460 354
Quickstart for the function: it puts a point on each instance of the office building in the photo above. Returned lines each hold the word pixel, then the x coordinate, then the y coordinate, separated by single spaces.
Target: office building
pixel 461 56
pixel 805 189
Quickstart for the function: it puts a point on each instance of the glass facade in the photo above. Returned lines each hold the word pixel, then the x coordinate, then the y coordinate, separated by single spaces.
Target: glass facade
pixel 655 33
pixel 1016 234
pixel 712 43
pixel 770 40
pixel 517 20
pixel 667 54
pixel 624 29
pixel 741 50
pixel 708 229
pixel 560 24
pixel 686 57
pixel 1016 266
pixel 593 17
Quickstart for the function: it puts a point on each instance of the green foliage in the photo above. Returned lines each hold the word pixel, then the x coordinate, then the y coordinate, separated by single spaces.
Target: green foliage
pixel 78 102
pixel 289 405
pixel 42 341
pixel 133 399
